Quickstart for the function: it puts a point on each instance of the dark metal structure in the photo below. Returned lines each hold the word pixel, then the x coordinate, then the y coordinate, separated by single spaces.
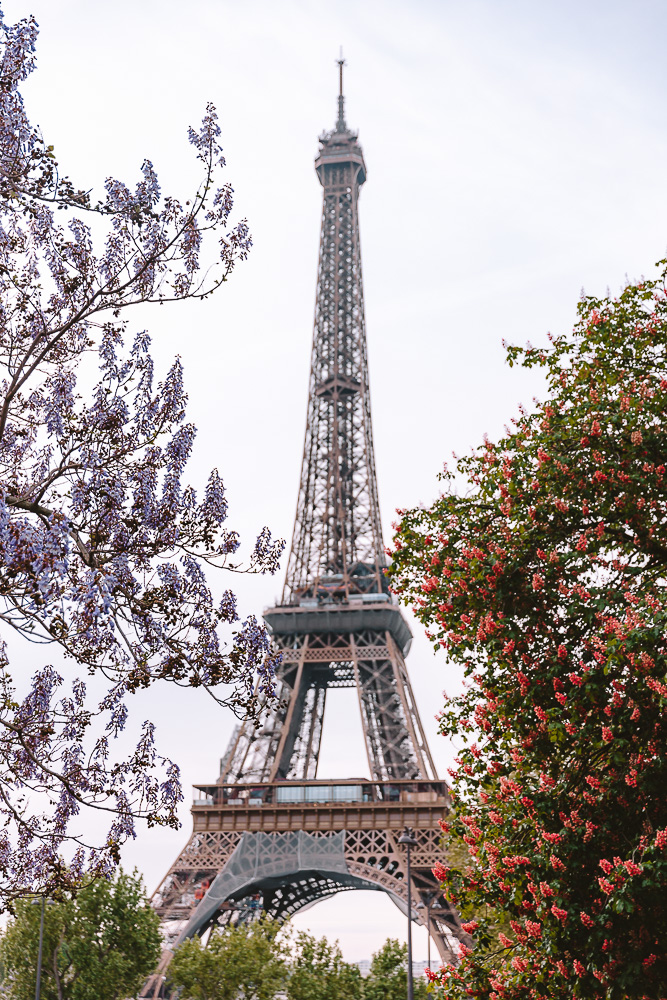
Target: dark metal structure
pixel 337 549
pixel 267 830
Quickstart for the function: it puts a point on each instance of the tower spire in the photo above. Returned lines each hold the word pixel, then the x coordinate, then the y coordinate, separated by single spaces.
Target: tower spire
pixel 340 124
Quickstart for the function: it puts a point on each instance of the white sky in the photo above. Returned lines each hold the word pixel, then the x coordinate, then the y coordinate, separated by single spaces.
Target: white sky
pixel 516 152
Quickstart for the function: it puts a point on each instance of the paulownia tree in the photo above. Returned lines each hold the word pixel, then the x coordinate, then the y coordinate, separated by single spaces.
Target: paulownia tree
pixel 546 577
pixel 103 548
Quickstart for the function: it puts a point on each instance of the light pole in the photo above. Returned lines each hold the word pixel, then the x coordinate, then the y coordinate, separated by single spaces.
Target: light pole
pixel 428 929
pixel 408 838
pixel 38 982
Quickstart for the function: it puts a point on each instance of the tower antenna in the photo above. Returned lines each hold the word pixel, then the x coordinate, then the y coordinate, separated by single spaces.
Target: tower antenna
pixel 340 124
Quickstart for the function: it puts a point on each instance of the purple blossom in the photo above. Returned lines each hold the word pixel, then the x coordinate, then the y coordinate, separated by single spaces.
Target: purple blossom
pixel 104 549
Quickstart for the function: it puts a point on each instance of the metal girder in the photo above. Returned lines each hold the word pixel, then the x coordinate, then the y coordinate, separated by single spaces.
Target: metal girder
pixel 287 744
pixel 291 871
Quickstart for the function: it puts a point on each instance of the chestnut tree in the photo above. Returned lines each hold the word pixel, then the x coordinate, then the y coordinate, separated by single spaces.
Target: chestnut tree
pixel 546 576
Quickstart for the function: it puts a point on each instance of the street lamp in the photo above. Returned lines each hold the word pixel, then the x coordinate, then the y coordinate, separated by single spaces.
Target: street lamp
pixel 38 982
pixel 408 838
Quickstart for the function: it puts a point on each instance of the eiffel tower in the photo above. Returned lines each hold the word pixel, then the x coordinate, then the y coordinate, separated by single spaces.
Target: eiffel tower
pixel 267 833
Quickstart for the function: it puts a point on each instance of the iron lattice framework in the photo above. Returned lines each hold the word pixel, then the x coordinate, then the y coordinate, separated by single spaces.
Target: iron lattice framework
pixel 358 653
pixel 268 834
pixel 337 545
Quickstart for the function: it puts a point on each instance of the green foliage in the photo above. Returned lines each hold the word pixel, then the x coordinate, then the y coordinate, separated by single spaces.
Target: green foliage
pixel 261 961
pixel 388 976
pixel 318 972
pixel 99 945
pixel 247 960
pixel 546 577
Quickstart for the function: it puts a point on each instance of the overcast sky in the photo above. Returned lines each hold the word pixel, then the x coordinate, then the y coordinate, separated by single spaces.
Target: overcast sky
pixel 516 153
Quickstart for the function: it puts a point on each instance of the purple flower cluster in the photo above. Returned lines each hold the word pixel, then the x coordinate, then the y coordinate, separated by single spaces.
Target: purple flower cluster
pixel 103 549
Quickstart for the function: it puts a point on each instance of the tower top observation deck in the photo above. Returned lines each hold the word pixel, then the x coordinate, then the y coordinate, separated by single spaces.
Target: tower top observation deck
pixel 340 145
